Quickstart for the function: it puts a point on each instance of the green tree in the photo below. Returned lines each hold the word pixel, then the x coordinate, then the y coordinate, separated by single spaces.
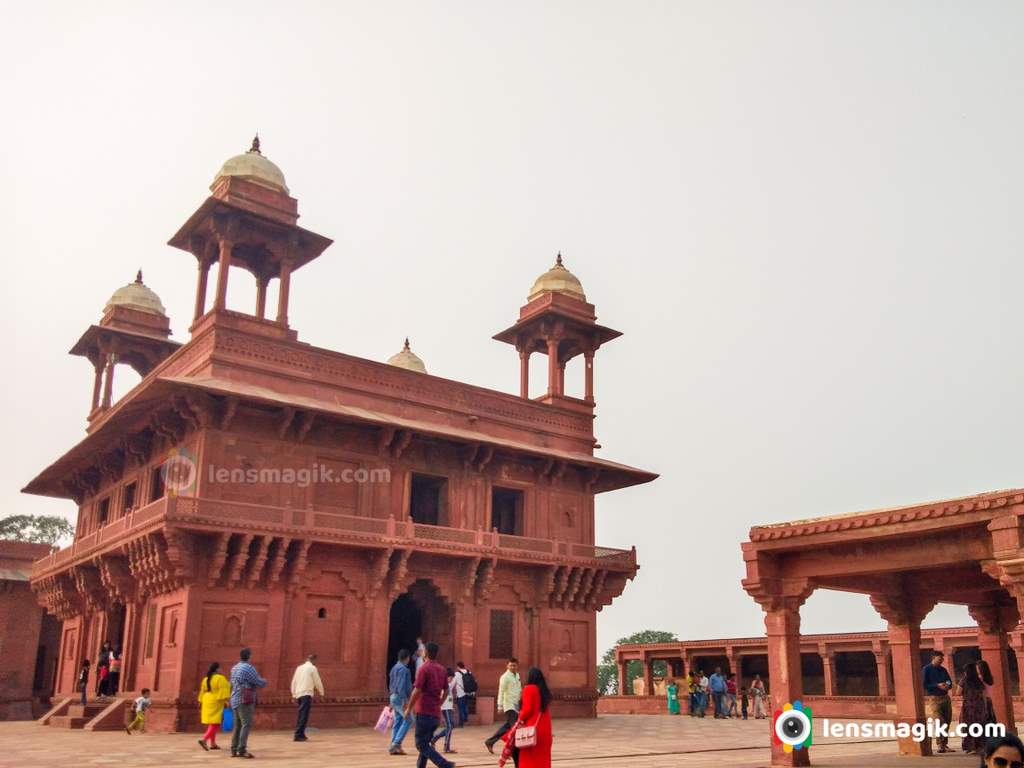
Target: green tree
pixel 608 675
pixel 42 529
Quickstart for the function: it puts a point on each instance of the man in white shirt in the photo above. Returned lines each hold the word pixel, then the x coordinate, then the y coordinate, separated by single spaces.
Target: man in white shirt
pixel 460 694
pixel 305 682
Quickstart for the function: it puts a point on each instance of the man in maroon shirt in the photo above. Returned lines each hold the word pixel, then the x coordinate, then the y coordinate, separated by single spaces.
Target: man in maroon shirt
pixel 428 693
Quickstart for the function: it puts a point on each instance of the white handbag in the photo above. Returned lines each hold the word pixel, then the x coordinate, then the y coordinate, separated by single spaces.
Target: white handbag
pixel 526 736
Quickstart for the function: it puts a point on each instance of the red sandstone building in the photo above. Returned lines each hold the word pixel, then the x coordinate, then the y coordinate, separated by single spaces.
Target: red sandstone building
pixel 322 503
pixel 28 635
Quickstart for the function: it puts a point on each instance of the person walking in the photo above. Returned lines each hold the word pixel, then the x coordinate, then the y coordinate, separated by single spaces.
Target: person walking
pixel 83 679
pixel 704 690
pixel 691 690
pixel 139 707
pixel 757 691
pixel 743 701
pixel 245 681
pixel 937 683
pixel 730 696
pixel 974 707
pixel 672 693
pixel 535 713
pixel 429 691
pixel 465 687
pixel 399 691
pixel 985 673
pixel 103 670
pixel 305 684
pixel 510 692
pixel 448 717
pixel 214 694
pixel 718 689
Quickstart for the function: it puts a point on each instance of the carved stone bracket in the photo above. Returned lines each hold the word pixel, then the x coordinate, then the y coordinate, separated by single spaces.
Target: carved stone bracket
pixel 902 609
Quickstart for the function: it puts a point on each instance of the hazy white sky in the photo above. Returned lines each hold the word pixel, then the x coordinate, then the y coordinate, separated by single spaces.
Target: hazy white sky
pixel 805 217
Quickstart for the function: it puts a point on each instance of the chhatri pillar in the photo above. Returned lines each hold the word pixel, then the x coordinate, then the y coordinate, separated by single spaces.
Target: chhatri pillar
pixel 882 665
pixel 904 614
pixel 623 677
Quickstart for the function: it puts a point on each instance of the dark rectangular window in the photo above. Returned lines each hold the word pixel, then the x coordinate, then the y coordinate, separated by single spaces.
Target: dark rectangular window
pixel 102 512
pixel 128 497
pixel 156 483
pixel 507 511
pixel 428 500
pixel 150 629
pixel 501 634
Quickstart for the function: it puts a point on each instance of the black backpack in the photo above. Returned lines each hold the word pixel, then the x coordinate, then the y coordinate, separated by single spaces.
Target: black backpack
pixel 469 684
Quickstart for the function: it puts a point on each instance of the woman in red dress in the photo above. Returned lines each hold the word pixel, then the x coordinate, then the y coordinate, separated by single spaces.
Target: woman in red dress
pixel 535 711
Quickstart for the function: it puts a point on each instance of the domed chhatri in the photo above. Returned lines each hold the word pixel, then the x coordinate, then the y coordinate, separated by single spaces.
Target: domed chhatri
pixel 253 166
pixel 406 359
pixel 558 279
pixel 137 296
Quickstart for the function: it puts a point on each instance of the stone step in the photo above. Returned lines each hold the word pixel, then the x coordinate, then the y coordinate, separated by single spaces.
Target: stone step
pixel 88 711
pixel 67 721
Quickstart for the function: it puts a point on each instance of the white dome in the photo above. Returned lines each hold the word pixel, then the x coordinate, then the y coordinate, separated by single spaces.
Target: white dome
pixel 406 359
pixel 137 296
pixel 254 167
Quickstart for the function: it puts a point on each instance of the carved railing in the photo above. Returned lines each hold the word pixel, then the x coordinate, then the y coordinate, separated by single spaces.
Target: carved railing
pixel 331 526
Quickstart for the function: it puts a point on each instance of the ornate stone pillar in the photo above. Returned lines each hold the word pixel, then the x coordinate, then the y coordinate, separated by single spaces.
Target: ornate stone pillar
pixel 882 664
pixel 97 384
pixel 553 367
pixel 828 667
pixel 221 300
pixel 904 614
pixel 108 383
pixel 261 296
pixel 524 374
pixel 782 622
pixel 203 279
pixel 588 363
pixel 282 295
pixel 648 677
pixel 623 677
pixel 993 622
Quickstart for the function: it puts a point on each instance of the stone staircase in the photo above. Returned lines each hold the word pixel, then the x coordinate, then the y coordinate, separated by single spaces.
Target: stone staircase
pixel 105 715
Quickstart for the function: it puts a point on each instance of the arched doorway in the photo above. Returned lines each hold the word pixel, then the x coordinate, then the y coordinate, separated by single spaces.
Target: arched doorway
pixel 421 612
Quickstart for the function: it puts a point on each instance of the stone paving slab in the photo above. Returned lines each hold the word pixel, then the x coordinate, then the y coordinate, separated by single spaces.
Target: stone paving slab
pixel 630 741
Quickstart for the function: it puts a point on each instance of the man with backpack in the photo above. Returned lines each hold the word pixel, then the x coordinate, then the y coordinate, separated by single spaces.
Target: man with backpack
pixel 465 686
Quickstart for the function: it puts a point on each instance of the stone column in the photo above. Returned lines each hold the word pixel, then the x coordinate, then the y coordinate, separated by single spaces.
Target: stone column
pixel 261 296
pixel 828 667
pixel 97 384
pixel 203 279
pixel 623 677
pixel 993 622
pixel 588 363
pixel 108 384
pixel 524 374
pixel 282 295
pixel 903 614
pixel 782 622
pixel 882 664
pixel 221 300
pixel 553 367
pixel 648 677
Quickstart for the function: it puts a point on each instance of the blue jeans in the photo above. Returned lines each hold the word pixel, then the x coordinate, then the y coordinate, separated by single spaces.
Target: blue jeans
pixel 402 723
pixel 425 727
pixel 463 703
pixel 702 703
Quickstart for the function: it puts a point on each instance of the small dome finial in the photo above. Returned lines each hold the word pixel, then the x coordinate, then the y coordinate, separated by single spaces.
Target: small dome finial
pixel 406 343
pixel 138 277
pixel 256 144
pixel 558 259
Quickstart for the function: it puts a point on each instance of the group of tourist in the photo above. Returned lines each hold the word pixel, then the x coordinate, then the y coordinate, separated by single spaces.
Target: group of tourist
pixel 720 689
pixel 975 691
pixel 428 700
pixel 217 692
pixel 108 673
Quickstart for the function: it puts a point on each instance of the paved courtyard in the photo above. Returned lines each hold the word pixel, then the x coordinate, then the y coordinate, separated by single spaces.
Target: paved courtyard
pixel 630 741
